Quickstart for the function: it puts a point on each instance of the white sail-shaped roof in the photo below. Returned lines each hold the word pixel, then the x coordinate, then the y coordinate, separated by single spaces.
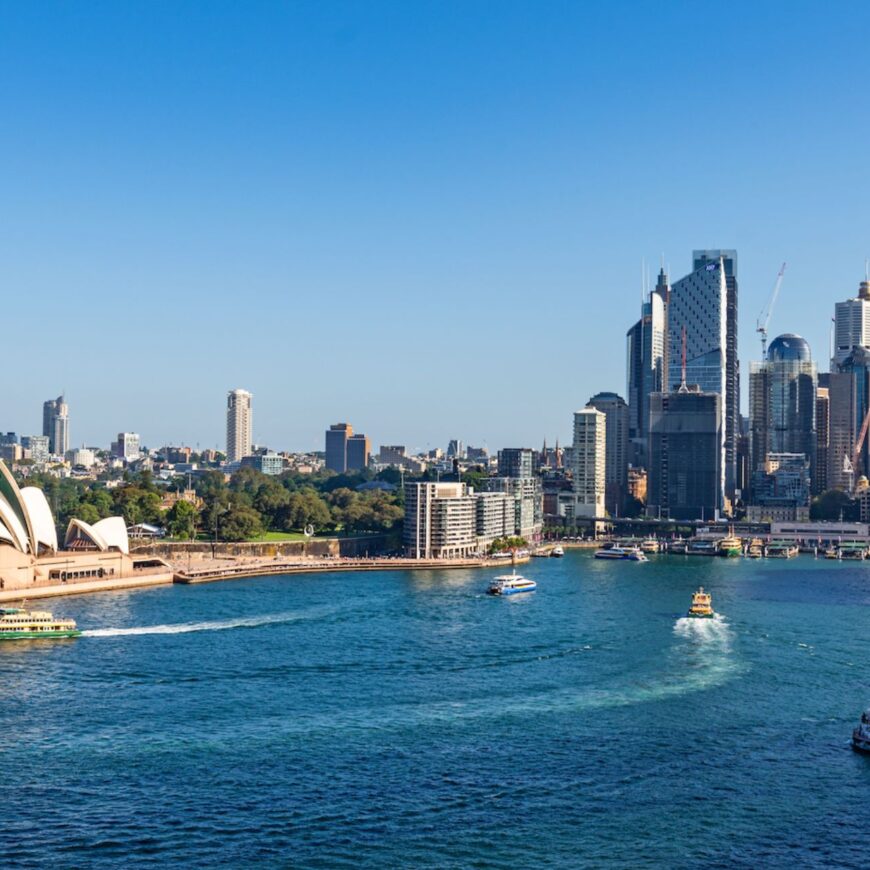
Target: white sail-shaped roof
pixel 6 535
pixel 14 525
pixel 10 497
pixel 113 531
pixel 81 529
pixel 41 520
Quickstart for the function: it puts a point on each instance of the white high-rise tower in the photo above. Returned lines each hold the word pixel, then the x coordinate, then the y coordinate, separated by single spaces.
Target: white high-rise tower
pixel 239 425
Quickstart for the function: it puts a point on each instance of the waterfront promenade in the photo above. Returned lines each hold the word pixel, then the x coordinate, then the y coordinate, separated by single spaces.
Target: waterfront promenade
pixel 207 569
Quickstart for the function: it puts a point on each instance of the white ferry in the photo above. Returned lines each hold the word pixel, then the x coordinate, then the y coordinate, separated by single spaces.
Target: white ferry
pixel 16 623
pixel 632 554
pixel 511 584
pixel 861 735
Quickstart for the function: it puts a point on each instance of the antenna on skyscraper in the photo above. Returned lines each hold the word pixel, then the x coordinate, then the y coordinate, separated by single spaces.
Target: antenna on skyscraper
pixel 683 387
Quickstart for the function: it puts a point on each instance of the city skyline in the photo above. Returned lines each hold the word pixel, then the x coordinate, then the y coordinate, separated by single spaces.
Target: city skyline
pixel 369 156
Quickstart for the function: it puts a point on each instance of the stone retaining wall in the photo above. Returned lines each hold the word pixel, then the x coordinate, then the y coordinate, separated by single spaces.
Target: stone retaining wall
pixel 371 545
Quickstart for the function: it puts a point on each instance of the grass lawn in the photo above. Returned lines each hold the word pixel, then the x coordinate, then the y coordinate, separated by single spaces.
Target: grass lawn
pixel 279 536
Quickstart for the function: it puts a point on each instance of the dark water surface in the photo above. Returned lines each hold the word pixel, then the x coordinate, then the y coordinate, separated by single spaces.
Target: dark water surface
pixel 407 719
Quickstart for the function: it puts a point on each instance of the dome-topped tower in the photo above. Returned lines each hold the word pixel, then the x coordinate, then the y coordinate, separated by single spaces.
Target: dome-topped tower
pixel 789 348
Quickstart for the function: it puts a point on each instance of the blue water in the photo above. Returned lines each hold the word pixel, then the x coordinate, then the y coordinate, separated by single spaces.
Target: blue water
pixel 407 719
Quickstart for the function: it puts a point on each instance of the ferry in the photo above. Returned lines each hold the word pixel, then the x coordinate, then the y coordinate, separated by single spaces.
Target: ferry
pixel 782 550
pixel 756 549
pixel 511 584
pixel 679 547
pixel 832 553
pixel 861 735
pixel 730 546
pixel 632 554
pixel 16 623
pixel 702 548
pixel 702 605
pixel 650 545
pixel 557 552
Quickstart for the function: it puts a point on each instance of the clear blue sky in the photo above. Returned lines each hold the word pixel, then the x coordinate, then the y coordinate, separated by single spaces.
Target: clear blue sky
pixel 427 219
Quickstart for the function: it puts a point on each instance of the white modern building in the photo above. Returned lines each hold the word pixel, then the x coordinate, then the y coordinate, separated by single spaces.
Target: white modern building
pixel 440 521
pixel 239 425
pixel 589 465
pixel 127 446
pixel 851 324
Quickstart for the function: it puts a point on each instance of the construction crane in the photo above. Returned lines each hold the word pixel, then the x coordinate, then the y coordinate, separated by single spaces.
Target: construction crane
pixel 859 443
pixel 764 316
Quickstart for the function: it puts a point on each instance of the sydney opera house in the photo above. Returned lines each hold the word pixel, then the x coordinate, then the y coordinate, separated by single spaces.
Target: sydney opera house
pixel 30 555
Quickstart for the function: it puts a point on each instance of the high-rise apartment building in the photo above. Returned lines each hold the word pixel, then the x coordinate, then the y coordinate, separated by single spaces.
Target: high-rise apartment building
pixel 359 449
pixel 127 446
pixel 515 462
pixel 616 451
pixel 849 401
pixel 686 479
pixel 38 447
pixel 782 403
pixel 851 324
pixel 239 425
pixel 55 424
pixel 589 458
pixel 440 521
pixel 337 437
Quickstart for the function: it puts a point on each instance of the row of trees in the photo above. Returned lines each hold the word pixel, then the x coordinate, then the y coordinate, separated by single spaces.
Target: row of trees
pixel 246 507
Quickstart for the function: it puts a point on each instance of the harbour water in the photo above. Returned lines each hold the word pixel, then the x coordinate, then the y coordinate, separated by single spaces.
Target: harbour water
pixel 409 719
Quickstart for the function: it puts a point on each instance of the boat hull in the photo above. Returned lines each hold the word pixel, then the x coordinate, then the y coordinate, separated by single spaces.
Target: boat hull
pixel 691 615
pixel 513 591
pixel 39 635
pixel 859 744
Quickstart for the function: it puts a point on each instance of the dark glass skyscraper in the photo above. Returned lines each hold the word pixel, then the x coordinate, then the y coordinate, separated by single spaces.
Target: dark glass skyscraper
pixel 731 398
pixel 782 402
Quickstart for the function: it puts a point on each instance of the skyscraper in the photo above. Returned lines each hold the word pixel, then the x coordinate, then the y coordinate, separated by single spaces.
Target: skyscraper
pixel 823 429
pixel 699 304
pixel 647 364
pixel 731 396
pixel 616 448
pixel 337 437
pixel 359 449
pixel 55 424
pixel 686 480
pixel 588 462
pixel 239 425
pixel 849 394
pixel 851 324
pixel 782 402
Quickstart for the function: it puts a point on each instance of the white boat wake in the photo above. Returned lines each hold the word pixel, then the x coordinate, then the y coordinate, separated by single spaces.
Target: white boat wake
pixel 213 625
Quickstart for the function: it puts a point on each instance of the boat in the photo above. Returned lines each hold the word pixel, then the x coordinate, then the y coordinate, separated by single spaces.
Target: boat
pixel 557 552
pixel 679 547
pixel 16 623
pixel 782 550
pixel 511 584
pixel 702 605
pixel 730 546
pixel 832 553
pixel 756 549
pixel 632 554
pixel 861 735
pixel 853 551
pixel 702 548
pixel 611 552
pixel 650 545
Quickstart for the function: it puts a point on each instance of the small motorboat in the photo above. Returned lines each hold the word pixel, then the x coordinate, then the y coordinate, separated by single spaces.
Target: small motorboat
pixel 511 584
pixel 635 554
pixel 557 552
pixel 861 735
pixel 702 605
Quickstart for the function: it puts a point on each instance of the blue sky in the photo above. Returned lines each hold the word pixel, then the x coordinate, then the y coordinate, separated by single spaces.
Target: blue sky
pixel 427 219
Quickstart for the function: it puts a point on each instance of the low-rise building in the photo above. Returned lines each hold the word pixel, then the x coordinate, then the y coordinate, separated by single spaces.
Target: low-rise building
pixel 265 463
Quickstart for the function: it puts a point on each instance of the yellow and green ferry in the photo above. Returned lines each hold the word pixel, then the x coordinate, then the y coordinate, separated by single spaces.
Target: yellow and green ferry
pixel 16 623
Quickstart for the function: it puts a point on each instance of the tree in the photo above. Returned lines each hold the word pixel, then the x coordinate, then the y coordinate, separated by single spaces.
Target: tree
pixel 832 505
pixel 182 519
pixel 241 523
